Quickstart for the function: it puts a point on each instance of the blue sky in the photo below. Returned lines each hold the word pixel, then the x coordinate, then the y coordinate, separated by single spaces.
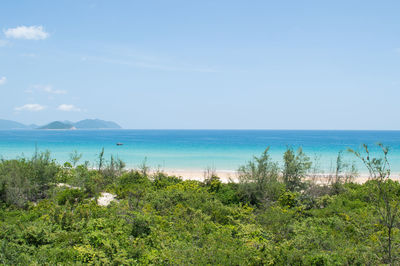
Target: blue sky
pixel 202 64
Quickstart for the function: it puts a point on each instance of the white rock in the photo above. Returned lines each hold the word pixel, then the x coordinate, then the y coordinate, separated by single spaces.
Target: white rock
pixel 66 185
pixel 105 199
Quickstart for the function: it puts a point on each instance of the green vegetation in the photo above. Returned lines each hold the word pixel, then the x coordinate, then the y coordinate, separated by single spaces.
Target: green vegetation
pixel 385 197
pixel 272 216
pixel 295 169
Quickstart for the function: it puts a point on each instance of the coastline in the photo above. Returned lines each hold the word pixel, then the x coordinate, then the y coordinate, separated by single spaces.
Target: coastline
pixel 232 176
pixel 189 152
pixel 224 175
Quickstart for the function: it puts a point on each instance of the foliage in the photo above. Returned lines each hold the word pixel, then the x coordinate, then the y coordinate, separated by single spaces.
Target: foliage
pixel 161 219
pixel 259 180
pixel 295 169
pixel 25 180
pixel 70 196
pixel 386 198
pixel 343 173
pixel 75 157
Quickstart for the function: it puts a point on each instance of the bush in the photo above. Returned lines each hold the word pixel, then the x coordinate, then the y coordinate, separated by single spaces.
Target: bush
pixel 140 225
pixel 259 180
pixel 25 180
pixel 70 196
pixel 213 183
pixel 228 193
pixel 295 169
pixel 133 177
pixel 161 180
pixel 161 219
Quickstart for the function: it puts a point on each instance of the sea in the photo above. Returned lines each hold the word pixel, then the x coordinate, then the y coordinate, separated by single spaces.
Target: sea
pixel 197 150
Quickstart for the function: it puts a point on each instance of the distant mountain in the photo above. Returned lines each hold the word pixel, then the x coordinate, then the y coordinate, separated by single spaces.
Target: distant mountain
pixel 96 124
pixel 8 124
pixel 57 125
pixel 83 124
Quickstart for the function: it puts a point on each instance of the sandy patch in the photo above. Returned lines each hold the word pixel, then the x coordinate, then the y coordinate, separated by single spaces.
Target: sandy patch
pixel 105 199
pixel 227 176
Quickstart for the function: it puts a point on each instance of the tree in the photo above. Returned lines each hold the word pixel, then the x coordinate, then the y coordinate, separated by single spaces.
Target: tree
pixel 211 179
pixel 259 179
pixel 344 172
pixel 295 169
pixel 385 199
pixel 144 168
pixel 112 169
pixel 101 159
pixel 75 157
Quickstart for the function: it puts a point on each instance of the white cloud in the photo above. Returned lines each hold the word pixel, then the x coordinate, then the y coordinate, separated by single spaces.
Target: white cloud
pixel 3 80
pixel 28 33
pixel 49 89
pixel 33 107
pixel 68 108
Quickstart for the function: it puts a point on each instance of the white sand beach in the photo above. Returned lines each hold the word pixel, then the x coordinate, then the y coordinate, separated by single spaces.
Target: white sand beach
pixel 226 176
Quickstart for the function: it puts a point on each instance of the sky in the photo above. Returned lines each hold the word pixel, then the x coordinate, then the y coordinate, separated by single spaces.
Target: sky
pixel 202 64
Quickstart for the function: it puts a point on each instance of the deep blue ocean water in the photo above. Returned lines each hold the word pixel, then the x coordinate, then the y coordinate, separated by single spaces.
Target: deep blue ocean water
pixel 196 149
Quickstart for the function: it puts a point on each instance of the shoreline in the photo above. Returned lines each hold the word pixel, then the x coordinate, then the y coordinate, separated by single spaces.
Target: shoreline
pixel 231 175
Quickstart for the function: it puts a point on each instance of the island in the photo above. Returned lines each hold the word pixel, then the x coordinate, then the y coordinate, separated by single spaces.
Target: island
pixel 63 125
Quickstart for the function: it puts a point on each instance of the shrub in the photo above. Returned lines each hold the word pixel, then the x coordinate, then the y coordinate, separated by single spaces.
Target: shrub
pixel 295 169
pixel 259 180
pixel 140 225
pixel 289 199
pixel 228 193
pixel 213 183
pixel 161 180
pixel 26 180
pixel 70 196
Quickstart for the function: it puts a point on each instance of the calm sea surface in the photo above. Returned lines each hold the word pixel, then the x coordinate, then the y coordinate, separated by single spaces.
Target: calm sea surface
pixel 196 149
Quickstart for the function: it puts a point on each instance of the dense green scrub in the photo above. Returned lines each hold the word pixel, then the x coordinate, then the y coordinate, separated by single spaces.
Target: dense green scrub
pixel 160 219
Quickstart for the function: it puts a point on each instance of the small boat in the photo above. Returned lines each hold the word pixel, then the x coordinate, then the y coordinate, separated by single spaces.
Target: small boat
pixel 120 144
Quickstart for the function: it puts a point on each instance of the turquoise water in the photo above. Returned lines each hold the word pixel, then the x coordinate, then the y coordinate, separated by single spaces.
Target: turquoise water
pixel 196 149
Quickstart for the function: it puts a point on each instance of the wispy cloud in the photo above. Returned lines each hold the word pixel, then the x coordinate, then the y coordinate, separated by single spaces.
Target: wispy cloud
pixel 49 89
pixel 27 33
pixel 3 80
pixel 68 108
pixel 32 107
